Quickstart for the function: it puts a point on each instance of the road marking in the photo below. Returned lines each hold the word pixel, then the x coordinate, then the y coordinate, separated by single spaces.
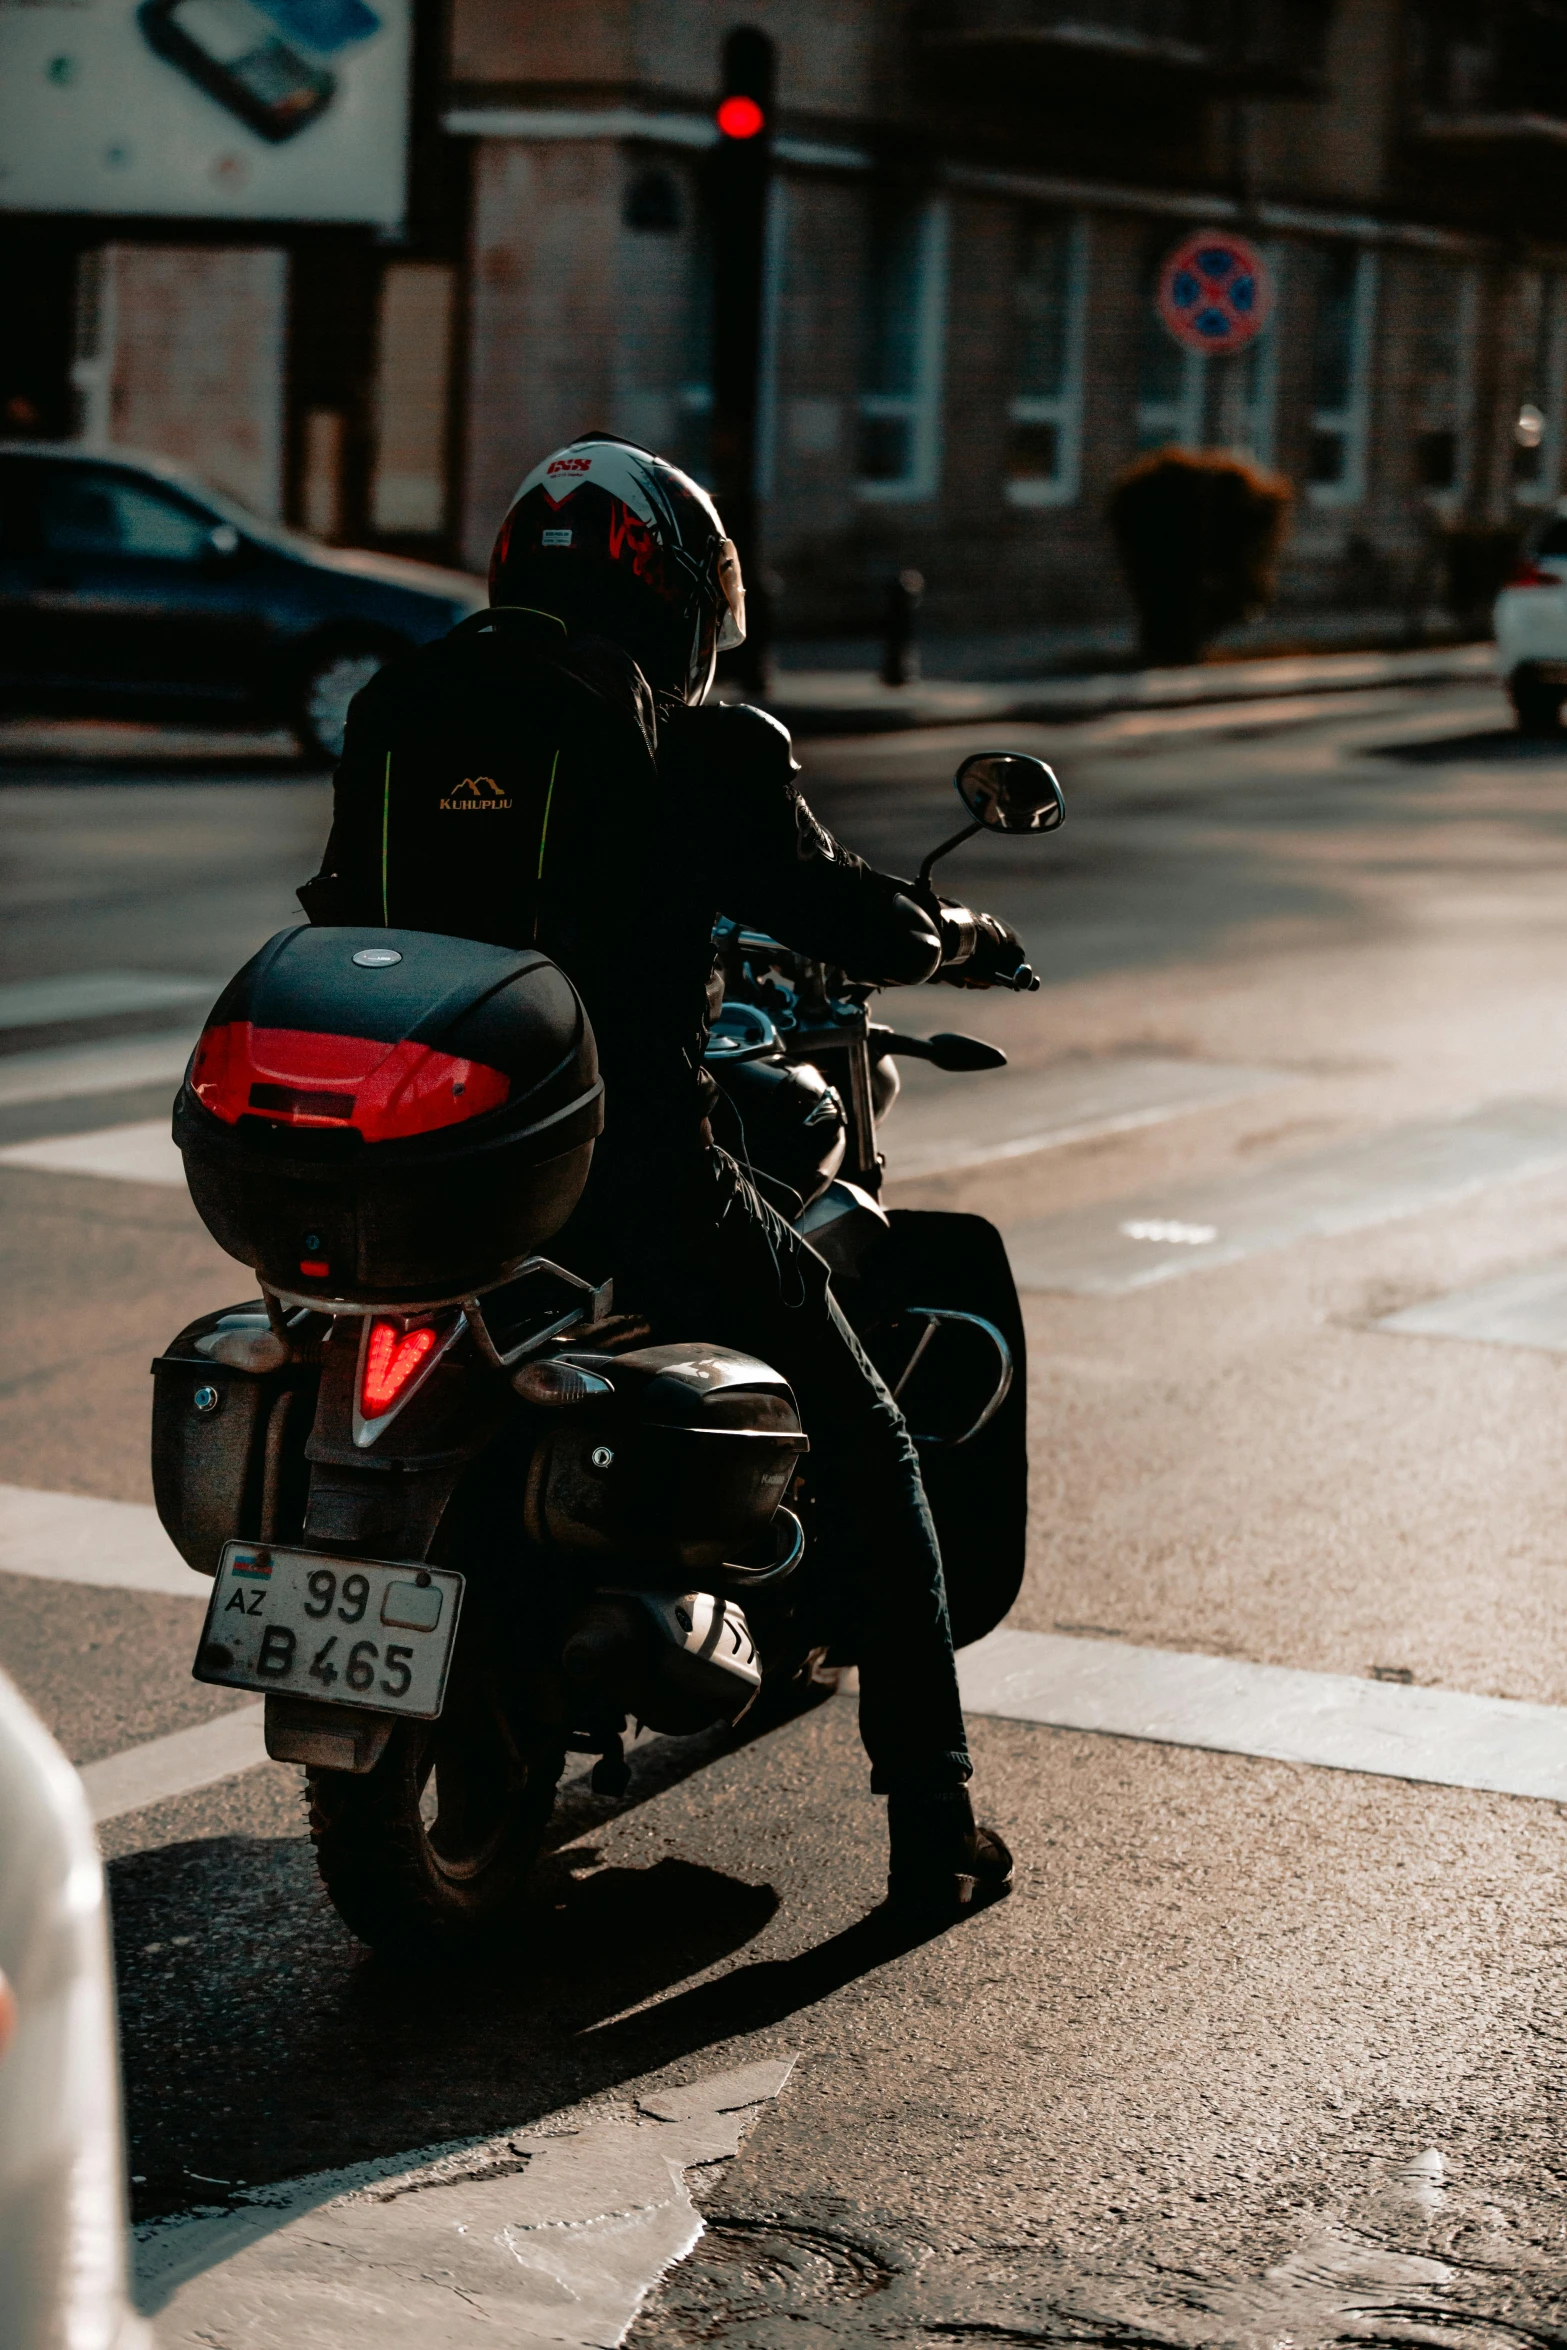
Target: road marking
pixel 968 1121
pixel 76 1538
pixel 177 1765
pixel 120 1546
pixel 143 1153
pixel 77 1069
pixel 1107 1250
pixel 97 995
pixel 553 2235
pixel 1394 1731
pixel 1527 1308
pixel 188 1760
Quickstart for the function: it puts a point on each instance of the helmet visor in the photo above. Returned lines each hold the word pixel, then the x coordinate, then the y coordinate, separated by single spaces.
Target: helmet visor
pixel 731 627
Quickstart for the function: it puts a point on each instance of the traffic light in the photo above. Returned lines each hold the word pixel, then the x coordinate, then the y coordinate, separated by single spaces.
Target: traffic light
pixel 740 167
pixel 740 117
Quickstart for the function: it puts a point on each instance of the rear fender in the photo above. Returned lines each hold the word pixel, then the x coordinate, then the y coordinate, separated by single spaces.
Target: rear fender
pixel 383 1485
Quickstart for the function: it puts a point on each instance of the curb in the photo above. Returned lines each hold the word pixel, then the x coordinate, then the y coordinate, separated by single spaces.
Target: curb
pixel 825 701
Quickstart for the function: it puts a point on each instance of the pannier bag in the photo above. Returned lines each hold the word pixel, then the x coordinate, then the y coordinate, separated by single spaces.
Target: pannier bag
pixel 389 1116
pixel 684 1463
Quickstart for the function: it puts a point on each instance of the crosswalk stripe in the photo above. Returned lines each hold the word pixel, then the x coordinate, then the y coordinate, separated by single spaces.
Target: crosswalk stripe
pixel 143 1153
pixel 1332 1720
pixel 78 1538
pixel 97 995
pixel 77 1069
pixel 1526 1308
pixel 1122 1245
pixel 177 1765
pixel 968 1121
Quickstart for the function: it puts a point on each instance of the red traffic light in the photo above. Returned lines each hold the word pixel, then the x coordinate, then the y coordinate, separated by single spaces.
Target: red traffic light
pixel 740 118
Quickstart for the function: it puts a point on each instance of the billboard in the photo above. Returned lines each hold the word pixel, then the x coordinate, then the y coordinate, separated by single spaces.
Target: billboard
pixel 207 109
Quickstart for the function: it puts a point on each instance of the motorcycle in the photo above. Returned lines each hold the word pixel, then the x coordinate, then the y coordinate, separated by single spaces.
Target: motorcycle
pixel 462 1517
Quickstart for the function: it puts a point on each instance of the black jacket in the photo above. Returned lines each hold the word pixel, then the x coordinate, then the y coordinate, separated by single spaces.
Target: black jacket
pixel 509 784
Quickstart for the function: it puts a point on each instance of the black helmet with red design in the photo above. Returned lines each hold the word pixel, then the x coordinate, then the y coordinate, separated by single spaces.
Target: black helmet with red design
pixel 621 544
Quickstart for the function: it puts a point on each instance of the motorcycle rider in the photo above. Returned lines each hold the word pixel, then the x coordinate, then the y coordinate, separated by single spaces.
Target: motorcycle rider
pixel 552 773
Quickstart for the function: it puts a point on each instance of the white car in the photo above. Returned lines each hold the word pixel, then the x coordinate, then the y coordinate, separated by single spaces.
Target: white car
pixel 1531 630
pixel 63 2238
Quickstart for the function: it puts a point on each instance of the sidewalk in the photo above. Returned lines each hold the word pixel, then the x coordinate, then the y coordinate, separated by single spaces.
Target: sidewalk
pixel 827 701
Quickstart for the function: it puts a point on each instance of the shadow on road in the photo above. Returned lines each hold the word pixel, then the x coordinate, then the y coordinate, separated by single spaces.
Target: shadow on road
pixel 260 2042
pixel 1499 746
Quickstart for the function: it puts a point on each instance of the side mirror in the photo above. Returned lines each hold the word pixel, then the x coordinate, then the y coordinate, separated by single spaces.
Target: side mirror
pixel 1007 791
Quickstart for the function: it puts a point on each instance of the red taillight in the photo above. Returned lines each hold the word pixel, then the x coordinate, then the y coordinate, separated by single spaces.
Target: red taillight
pixel 1529 574
pixel 392 1357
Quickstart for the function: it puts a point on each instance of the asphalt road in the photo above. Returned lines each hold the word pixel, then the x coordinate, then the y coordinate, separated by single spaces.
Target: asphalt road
pixel 1258 2052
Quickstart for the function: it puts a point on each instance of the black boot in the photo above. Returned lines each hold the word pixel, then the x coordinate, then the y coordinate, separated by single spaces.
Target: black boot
pixel 943 1864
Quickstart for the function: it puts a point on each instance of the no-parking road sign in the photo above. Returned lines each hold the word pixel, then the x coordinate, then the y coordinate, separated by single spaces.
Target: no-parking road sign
pixel 1215 291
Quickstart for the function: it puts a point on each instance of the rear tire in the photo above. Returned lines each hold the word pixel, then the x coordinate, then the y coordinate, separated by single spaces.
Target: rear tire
pixel 1538 705
pixel 426 1856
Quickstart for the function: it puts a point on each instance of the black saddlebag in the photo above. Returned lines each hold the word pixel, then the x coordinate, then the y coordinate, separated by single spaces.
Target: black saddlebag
pixel 685 1463
pixel 230 1412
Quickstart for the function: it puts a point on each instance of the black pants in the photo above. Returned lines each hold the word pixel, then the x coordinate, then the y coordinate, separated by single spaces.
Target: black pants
pixel 733 1272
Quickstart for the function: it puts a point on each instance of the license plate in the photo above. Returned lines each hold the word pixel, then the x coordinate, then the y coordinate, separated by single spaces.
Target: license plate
pixel 353 1631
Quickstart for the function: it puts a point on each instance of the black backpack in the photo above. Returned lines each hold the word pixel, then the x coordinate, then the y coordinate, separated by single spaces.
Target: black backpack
pixel 498 784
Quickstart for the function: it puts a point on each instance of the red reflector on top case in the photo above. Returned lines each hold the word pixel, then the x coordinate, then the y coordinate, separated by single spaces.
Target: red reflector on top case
pixel 304 1077
pixel 392 1357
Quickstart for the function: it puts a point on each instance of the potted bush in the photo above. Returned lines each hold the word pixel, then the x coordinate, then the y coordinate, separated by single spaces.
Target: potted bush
pixel 1198 533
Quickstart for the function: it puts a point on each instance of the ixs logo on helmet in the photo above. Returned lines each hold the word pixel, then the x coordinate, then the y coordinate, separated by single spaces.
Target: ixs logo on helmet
pixel 571 465
pixel 473 793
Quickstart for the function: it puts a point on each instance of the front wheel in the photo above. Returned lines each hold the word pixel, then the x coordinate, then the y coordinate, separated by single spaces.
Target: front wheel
pixel 426 1856
pixel 331 677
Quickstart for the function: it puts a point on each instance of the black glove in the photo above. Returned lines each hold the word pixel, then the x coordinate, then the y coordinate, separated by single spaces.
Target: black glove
pixel 980 950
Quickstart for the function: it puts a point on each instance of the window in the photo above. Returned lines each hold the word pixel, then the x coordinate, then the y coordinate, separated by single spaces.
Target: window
pixel 413 372
pixel 1341 375
pixel 1537 423
pixel 900 378
pixel 84 511
pixel 1044 457
pixel 1441 370
pixel 1172 382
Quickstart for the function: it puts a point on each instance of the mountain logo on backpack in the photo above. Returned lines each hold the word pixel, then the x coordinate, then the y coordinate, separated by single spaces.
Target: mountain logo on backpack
pixel 474 792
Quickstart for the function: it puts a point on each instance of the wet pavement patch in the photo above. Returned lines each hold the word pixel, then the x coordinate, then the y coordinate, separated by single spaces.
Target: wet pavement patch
pixel 543 2236
pixel 1410 2262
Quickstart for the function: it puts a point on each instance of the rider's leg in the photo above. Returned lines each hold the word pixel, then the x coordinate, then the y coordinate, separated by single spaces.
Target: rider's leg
pixel 872 1520
pixel 732 1270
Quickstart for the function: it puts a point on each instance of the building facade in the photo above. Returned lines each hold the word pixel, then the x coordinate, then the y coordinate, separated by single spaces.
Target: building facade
pixel 961 351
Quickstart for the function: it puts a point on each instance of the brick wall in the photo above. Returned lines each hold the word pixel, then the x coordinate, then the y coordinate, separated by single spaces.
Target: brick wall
pixel 196 363
pixel 543 321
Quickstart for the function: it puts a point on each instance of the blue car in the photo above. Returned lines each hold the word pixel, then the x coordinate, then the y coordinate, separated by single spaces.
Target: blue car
pixel 127 587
